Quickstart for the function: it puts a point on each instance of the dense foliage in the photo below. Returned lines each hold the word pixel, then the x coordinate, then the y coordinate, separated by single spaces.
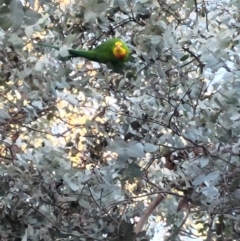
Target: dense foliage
pixel 84 149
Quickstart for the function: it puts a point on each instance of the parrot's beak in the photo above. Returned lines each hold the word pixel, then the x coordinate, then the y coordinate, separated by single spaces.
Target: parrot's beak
pixel 118 45
pixel 120 52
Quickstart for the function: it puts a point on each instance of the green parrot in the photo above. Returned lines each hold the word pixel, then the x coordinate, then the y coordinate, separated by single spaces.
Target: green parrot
pixel 113 51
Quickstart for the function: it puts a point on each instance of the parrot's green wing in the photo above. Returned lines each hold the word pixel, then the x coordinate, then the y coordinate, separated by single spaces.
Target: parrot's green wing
pixel 102 54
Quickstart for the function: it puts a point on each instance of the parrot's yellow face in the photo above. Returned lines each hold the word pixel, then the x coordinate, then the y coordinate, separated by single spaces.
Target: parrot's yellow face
pixel 118 50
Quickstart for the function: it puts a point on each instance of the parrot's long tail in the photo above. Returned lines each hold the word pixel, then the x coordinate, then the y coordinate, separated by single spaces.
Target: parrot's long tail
pixel 87 54
pixel 49 46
